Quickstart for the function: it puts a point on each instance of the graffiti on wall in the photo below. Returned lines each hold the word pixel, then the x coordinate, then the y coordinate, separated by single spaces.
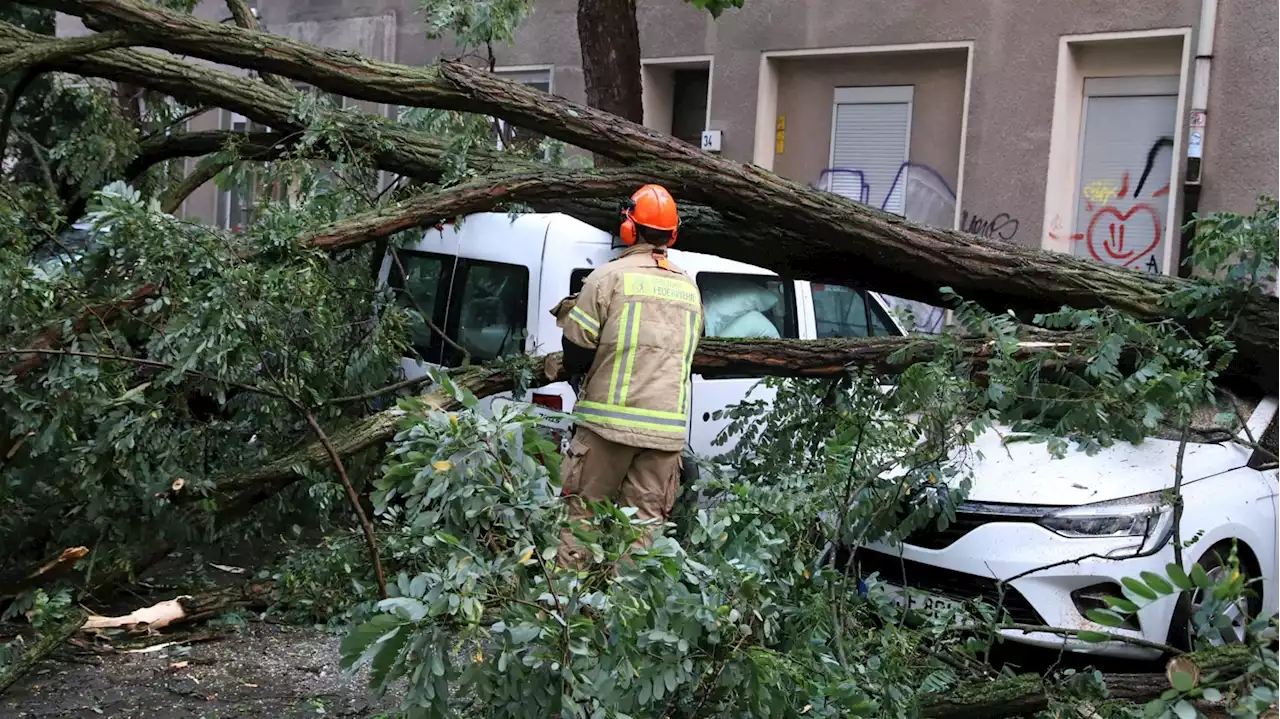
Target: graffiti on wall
pixel 1119 225
pixel 1001 226
pixel 926 197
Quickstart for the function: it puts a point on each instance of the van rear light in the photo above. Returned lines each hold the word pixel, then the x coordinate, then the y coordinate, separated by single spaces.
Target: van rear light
pixel 550 401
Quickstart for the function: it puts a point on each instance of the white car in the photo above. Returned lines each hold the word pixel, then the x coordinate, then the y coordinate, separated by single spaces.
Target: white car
pixel 1061 534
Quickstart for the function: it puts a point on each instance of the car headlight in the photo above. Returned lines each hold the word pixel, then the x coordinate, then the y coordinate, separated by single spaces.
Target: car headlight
pixel 1147 516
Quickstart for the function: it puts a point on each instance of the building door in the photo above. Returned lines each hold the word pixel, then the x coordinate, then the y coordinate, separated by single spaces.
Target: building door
pixel 1126 162
pixel 870 143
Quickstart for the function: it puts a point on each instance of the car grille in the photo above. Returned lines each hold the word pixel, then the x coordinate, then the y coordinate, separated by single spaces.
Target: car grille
pixel 967 520
pixel 946 582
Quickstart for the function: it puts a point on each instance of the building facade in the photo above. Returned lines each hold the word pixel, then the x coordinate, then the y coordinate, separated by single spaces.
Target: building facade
pixel 1079 126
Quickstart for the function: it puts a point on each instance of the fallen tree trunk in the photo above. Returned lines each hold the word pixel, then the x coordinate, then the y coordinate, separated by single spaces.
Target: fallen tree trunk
pixel 391 147
pixel 714 357
pixel 186 609
pixel 843 241
pixel 1027 694
pixel 42 648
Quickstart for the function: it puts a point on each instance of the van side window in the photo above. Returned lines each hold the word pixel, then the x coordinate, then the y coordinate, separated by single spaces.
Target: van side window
pixel 748 306
pixel 491 312
pixel 482 306
pixel 845 312
pixel 425 274
pixel 576 278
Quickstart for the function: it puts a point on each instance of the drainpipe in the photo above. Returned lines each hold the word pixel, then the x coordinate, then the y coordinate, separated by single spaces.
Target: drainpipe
pixel 1200 88
pixel 1198 121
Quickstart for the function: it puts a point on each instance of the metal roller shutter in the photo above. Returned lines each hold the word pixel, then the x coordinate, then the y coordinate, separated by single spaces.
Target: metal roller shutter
pixel 870 138
pixel 1126 159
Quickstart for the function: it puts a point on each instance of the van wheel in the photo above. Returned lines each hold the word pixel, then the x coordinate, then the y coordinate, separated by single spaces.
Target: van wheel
pixel 1232 622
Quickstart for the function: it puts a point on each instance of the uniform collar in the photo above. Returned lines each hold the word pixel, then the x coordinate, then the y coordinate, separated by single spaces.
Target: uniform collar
pixel 643 248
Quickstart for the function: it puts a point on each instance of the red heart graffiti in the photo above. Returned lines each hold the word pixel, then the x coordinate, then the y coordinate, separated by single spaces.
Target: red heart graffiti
pixel 1113 241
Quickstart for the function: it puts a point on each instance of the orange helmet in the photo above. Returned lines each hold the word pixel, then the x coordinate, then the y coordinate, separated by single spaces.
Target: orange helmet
pixel 651 206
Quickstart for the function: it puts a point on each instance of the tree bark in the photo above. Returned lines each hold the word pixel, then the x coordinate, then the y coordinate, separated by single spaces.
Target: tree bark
pixel 610 42
pixel 1026 694
pixel 44 52
pixel 244 17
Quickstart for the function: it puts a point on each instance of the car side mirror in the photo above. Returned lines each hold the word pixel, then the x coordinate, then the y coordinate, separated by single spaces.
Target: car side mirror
pixel 1265 455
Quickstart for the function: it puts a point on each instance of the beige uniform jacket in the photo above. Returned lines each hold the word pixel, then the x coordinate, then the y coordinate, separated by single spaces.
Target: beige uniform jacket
pixel 643 316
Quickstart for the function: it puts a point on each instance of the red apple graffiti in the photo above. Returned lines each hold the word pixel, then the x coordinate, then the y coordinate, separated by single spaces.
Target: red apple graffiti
pixel 1107 243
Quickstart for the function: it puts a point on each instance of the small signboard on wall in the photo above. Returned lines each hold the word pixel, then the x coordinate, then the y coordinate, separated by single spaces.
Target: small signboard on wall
pixel 711 140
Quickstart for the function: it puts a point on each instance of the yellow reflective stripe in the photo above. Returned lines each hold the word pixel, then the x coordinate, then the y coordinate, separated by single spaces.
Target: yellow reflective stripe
pixel 632 341
pixel 664 288
pixel 635 411
pixel 582 318
pixel 624 331
pixel 685 354
pixel 630 417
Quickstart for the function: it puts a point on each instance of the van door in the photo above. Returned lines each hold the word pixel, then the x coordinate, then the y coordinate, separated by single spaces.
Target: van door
pixel 421 276
pixel 840 311
pixel 740 305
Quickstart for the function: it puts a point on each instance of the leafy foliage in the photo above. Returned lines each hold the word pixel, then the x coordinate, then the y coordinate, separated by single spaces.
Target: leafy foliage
pixel 746 608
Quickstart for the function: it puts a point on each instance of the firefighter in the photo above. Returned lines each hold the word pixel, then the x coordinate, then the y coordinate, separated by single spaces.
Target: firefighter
pixel 629 339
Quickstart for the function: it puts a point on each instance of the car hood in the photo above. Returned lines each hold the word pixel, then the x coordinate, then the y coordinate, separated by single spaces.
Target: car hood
pixel 1025 472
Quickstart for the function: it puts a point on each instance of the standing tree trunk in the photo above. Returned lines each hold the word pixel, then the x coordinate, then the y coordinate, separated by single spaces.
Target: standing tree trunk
pixel 610 41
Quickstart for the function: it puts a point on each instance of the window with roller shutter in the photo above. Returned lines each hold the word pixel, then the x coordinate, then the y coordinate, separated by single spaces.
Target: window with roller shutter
pixel 1126 159
pixel 870 141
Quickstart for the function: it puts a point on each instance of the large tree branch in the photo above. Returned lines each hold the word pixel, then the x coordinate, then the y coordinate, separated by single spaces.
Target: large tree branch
pixel 844 241
pixel 391 147
pixel 51 49
pixel 245 18
pixel 714 357
pixel 162 148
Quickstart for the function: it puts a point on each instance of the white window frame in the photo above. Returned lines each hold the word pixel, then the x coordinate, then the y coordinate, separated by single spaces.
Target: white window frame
pixel 873 95
pixel 525 75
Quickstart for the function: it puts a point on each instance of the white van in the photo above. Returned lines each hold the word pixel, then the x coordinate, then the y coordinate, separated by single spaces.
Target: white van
pixel 490 281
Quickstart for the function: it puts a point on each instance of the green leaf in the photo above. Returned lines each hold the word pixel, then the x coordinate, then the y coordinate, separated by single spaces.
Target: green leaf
pixel 1212 695
pixel 1157 582
pixel 1184 710
pixel 1105 617
pixel 1182 681
pixel 1093 637
pixel 524 633
pixel 1178 576
pixel 1199 576
pixel 1121 605
pixel 354 644
pixel 1138 588
pixel 387 654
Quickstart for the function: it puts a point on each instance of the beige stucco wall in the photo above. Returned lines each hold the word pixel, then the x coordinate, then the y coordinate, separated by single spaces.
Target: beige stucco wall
pixel 806 91
pixel 1241 144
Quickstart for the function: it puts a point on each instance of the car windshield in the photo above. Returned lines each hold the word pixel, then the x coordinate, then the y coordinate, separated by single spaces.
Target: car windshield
pixel 71 243
pixel 1206 424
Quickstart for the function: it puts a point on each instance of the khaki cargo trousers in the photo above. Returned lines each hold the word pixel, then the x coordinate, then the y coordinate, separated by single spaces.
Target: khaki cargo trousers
pixel 597 469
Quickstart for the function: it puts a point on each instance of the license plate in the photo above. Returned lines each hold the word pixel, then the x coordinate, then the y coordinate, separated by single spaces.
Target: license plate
pixel 920 601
